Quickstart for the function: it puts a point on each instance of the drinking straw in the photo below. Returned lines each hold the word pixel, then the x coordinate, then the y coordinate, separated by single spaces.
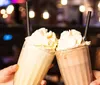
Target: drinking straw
pixel 27 19
pixel 87 24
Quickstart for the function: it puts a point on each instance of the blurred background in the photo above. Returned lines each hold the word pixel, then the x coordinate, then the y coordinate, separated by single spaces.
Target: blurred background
pixel 55 15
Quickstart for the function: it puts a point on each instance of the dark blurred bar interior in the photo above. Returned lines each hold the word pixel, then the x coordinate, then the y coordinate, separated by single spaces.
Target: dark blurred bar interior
pixel 55 15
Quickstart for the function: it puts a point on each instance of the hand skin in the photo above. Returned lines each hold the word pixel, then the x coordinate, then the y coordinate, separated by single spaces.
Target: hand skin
pixel 7 75
pixel 97 78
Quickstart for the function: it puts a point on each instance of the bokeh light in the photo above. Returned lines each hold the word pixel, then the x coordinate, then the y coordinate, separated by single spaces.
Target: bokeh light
pixel 99 19
pixel 99 5
pixel 5 15
pixel 64 2
pixel 82 8
pixel 3 11
pixel 10 9
pixel 7 37
pixel 31 14
pixel 46 15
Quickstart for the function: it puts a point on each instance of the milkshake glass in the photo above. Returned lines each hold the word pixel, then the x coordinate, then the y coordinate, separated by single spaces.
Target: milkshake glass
pixel 74 65
pixel 74 62
pixel 34 62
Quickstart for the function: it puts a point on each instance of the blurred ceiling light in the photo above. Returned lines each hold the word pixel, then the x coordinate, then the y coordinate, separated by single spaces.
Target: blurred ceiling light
pixel 3 11
pixel 82 8
pixel 31 14
pixel 99 5
pixel 5 15
pixel 10 9
pixel 64 2
pixel 46 15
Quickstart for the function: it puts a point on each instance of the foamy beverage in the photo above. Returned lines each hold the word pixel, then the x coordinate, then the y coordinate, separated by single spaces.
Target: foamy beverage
pixel 73 59
pixel 35 58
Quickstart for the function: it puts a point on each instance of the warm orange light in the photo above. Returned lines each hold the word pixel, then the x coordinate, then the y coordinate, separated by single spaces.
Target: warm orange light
pixel 3 11
pixel 5 15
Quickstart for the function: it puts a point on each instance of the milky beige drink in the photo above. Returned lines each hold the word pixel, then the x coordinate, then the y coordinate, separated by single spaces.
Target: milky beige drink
pixel 36 56
pixel 73 59
pixel 97 59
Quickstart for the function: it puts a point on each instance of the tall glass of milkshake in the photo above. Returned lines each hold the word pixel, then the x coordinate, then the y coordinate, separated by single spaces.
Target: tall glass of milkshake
pixel 35 58
pixel 73 58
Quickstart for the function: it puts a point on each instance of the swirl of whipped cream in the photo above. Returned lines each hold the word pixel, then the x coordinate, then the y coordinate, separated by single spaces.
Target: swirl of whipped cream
pixel 71 39
pixel 43 38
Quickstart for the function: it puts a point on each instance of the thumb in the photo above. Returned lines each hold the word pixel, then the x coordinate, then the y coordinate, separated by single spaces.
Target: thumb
pixel 9 70
pixel 7 73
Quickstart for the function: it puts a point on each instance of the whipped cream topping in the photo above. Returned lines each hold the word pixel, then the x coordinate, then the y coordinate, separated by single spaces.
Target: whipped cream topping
pixel 43 38
pixel 71 39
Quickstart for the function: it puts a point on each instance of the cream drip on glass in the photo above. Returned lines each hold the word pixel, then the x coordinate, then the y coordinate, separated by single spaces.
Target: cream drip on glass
pixel 71 39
